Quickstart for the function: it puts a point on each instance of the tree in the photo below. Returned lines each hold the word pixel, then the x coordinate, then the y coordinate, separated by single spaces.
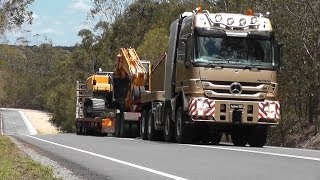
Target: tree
pixel 154 45
pixel 13 13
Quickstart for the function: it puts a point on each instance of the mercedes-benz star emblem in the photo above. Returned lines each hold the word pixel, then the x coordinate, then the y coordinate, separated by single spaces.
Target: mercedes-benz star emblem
pixel 235 88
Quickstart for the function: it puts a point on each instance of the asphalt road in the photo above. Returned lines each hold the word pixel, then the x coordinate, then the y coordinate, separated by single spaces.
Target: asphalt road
pixel 115 158
pixel 12 123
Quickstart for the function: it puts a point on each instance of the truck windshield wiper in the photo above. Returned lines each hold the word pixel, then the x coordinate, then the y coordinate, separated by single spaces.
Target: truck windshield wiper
pixel 215 64
pixel 251 66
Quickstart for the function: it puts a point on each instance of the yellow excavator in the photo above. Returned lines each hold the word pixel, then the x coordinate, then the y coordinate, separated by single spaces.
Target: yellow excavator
pixel 109 102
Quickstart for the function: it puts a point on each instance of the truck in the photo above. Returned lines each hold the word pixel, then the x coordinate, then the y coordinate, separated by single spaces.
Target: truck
pixel 109 102
pixel 219 77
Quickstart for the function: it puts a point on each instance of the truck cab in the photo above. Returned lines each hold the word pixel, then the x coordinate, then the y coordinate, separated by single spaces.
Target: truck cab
pixel 220 76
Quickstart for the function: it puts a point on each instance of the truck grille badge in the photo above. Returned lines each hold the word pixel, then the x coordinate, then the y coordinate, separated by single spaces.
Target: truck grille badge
pixel 235 88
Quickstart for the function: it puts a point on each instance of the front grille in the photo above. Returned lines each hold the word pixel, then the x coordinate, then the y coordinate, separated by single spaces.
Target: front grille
pixel 223 90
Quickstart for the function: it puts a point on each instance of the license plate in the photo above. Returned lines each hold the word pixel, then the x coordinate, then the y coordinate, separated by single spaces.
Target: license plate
pixel 236 106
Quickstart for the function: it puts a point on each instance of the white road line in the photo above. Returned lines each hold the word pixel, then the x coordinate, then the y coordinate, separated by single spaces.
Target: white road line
pixel 293 149
pixel 27 122
pixel 114 160
pixel 256 152
pixel 128 139
pixel 1 124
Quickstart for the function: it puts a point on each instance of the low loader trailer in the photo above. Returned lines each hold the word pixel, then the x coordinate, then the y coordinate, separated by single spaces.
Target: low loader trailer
pixel 109 102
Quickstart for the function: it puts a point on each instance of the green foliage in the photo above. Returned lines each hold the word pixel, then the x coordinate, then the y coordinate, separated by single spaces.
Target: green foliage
pixel 14 13
pixel 155 43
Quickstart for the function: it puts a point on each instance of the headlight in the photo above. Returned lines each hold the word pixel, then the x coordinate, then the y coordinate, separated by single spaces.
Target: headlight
pixel 218 18
pixel 242 22
pixel 230 21
pixel 270 107
pixel 254 20
pixel 202 105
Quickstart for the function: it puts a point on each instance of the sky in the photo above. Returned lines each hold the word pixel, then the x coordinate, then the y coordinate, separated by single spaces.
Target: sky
pixel 58 21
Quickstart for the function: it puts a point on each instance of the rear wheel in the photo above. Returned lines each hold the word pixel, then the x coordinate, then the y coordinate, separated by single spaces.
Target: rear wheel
pixel 238 136
pixel 152 133
pixel 181 130
pixel 168 126
pixel 144 125
pixel 258 136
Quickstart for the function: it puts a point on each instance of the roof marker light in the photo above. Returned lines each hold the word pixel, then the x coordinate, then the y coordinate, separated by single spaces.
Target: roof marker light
pixel 254 20
pixel 199 10
pixel 218 18
pixel 230 21
pixel 242 22
pixel 249 12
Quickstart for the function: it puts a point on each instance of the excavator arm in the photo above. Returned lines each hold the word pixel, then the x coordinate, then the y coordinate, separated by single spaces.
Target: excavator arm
pixel 130 77
pixel 129 66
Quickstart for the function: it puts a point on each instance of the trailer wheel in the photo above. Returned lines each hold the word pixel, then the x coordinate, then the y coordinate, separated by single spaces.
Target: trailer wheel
pixel 258 136
pixel 152 133
pixel 144 125
pixel 117 128
pixel 238 136
pixel 78 129
pixel 182 130
pixel 168 126
pixel 84 130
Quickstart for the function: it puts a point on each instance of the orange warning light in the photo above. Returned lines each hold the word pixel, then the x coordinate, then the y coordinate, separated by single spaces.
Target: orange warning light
pixel 250 12
pixel 199 9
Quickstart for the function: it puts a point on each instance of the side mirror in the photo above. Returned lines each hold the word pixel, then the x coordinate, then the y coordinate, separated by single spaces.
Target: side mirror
pixel 94 82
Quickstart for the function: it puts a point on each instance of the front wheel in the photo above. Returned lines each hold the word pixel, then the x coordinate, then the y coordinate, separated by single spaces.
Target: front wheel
pixel 216 137
pixel 182 130
pixel 238 136
pixel 258 136
pixel 168 126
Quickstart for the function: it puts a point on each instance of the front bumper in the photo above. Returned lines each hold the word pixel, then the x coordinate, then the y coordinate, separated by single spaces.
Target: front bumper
pixel 231 111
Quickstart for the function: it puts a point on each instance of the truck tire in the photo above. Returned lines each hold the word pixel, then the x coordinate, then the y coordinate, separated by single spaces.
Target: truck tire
pixel 117 128
pixel 144 125
pixel 78 129
pixel 153 135
pixel 124 127
pixel 84 130
pixel 238 136
pixel 207 135
pixel 215 138
pixel 258 136
pixel 168 133
pixel 182 130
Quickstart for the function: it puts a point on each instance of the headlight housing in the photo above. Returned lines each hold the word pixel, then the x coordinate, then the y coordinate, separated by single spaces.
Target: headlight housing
pixel 254 20
pixel 218 18
pixel 242 22
pixel 230 21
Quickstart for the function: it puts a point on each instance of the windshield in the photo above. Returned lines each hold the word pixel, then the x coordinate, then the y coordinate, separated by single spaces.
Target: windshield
pixel 234 50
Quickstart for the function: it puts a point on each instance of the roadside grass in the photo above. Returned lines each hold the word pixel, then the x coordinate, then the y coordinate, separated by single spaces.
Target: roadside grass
pixel 14 164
